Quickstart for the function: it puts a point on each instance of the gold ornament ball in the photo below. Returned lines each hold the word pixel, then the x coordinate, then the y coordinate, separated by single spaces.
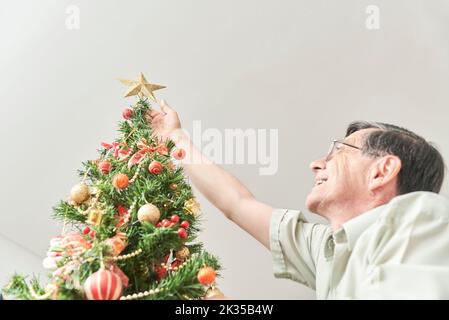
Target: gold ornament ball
pixel 213 293
pixel 79 193
pixel 149 213
pixel 173 186
pixel 182 254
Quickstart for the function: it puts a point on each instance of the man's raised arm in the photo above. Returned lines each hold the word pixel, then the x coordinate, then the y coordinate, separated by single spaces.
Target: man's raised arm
pixel 222 189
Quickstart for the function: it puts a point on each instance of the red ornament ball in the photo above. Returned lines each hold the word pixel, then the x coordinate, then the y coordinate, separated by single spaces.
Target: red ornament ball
pixel 86 230
pixel 206 275
pixel 179 154
pixel 127 113
pixel 182 233
pixel 120 181
pixel 174 218
pixel 165 223
pixel 103 285
pixel 155 167
pixel 104 166
pixel 185 224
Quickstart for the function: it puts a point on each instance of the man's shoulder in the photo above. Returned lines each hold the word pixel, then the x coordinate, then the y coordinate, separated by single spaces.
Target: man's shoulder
pixel 414 205
pixel 411 229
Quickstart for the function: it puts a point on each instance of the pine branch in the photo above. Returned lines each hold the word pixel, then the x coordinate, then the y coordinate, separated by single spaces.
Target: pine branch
pixel 18 288
pixel 65 212
pixel 183 284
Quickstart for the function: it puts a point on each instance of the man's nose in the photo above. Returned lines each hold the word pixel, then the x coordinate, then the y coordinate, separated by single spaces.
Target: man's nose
pixel 319 164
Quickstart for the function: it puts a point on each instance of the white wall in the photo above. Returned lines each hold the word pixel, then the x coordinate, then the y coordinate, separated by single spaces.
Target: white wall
pixel 16 258
pixel 307 68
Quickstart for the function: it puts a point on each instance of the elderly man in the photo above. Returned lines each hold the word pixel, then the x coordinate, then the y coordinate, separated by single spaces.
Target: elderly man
pixel 378 187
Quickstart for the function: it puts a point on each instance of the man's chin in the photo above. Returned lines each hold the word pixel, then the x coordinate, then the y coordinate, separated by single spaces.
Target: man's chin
pixel 312 203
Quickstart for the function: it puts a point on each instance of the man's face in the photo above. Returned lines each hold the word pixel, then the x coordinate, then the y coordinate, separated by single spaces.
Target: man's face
pixel 342 180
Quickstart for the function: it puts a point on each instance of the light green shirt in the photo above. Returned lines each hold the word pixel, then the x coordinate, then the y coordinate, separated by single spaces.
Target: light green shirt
pixel 396 251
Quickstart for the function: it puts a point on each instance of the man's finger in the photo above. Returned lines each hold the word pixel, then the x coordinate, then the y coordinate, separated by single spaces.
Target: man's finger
pixel 156 117
pixel 165 107
pixel 150 116
pixel 153 113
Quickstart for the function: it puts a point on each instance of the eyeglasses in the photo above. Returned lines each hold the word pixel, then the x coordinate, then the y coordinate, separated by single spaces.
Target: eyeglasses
pixel 335 146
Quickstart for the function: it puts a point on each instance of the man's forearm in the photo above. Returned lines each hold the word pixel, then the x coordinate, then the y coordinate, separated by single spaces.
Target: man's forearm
pixel 222 189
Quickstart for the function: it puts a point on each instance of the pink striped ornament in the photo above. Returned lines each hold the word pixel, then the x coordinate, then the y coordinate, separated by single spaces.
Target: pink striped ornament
pixel 103 285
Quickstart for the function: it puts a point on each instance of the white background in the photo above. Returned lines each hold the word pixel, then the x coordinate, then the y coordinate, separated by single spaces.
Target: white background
pixel 307 68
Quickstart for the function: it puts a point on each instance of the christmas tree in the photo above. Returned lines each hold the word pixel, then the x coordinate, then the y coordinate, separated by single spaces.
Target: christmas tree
pixel 129 225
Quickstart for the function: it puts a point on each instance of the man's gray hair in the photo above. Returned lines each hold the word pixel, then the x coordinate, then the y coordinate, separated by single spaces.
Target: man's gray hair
pixel 422 164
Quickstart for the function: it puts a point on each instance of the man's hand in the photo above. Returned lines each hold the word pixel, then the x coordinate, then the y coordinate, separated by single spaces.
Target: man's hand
pixel 163 122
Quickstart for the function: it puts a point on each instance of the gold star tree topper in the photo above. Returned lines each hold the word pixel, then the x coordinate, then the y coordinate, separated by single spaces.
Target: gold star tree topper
pixel 141 87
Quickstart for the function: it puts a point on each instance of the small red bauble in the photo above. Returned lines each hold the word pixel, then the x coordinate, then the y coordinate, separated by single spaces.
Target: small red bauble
pixel 179 154
pixel 174 218
pixel 185 224
pixel 92 233
pixel 182 233
pixel 206 275
pixel 120 181
pixel 103 285
pixel 155 167
pixel 104 166
pixel 127 113
pixel 165 223
pixel 86 230
pixel 158 225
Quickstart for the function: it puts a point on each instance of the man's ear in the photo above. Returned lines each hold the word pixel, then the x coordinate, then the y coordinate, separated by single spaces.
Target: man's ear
pixel 384 171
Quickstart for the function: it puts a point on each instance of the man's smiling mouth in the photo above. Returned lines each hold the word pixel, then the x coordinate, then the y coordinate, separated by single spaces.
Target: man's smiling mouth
pixel 320 181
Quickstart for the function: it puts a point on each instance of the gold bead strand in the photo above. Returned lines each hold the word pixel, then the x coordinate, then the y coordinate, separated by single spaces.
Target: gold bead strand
pixel 128 256
pixel 130 212
pixel 139 166
pixel 127 217
pixel 142 294
pixel 182 265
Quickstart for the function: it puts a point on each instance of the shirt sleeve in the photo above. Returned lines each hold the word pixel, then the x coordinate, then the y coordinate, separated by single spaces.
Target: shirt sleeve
pixel 295 245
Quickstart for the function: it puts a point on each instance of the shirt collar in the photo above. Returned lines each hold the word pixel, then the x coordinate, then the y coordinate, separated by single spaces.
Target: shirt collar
pixel 356 226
